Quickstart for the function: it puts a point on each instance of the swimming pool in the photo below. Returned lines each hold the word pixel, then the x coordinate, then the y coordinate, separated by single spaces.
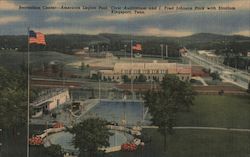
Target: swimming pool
pixel 64 139
pixel 118 110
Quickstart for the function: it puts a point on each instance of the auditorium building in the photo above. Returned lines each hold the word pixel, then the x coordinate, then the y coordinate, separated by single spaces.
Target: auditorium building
pixel 152 71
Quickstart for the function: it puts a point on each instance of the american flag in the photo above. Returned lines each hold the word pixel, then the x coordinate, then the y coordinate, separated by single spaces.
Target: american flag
pixel 137 47
pixel 36 38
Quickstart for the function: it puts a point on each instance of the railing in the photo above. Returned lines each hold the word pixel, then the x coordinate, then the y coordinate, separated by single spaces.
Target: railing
pixel 48 96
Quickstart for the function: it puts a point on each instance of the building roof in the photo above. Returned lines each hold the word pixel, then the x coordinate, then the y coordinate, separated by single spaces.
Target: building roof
pixel 147 66
pixel 171 67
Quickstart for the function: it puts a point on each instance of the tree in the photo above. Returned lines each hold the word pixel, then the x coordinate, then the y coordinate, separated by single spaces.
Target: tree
pixel 82 67
pixel 141 78
pixel 55 150
pixel 89 135
pixel 215 75
pixel 97 76
pixel 61 70
pixel 248 89
pixel 13 99
pixel 174 96
pixel 125 78
pixel 13 111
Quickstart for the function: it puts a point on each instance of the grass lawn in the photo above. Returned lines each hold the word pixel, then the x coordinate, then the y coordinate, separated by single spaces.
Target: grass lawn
pixel 218 111
pixel 194 143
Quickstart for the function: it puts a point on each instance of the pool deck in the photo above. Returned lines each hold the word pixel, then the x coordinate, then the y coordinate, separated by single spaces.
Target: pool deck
pixel 64 116
pixel 68 117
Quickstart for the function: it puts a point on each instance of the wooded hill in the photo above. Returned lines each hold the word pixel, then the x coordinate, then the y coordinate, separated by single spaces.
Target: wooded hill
pixel 68 43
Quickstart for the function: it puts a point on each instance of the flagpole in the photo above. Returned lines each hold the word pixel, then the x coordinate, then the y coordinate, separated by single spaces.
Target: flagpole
pixel 28 92
pixel 131 56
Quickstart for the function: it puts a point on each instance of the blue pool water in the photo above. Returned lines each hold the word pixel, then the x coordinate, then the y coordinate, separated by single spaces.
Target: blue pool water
pixel 131 111
pixel 64 139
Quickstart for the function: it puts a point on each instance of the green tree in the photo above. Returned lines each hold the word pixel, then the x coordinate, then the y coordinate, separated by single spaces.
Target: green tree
pixel 248 89
pixel 174 96
pixel 61 70
pixel 125 78
pixel 54 150
pixel 215 75
pixel 96 76
pixel 13 111
pixel 89 135
pixel 82 67
pixel 141 78
pixel 13 99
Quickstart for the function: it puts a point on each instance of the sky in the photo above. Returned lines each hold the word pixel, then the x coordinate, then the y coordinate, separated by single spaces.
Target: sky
pixel 177 23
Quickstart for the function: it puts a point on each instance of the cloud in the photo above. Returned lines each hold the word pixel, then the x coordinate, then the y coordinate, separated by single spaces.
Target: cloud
pixel 7 5
pixel 72 30
pixel 53 19
pixel 88 30
pixel 49 30
pixel 99 30
pixel 11 19
pixel 243 32
pixel 162 32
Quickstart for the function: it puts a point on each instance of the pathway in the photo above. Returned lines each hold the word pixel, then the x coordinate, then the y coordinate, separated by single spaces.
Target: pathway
pixel 201 128
pixel 201 80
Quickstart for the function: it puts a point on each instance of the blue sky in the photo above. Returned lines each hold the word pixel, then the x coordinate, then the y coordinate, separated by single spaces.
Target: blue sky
pixel 159 23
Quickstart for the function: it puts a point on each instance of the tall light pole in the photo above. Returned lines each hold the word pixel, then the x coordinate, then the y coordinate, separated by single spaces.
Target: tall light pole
pixel 166 50
pixel 132 86
pixel 93 48
pixel 161 45
pixel 107 48
pixel 125 50
pixel 99 84
pixel 71 94
pixel 28 91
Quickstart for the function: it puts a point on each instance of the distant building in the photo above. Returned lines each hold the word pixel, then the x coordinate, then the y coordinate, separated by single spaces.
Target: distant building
pixel 210 55
pixel 248 54
pixel 152 71
pixel 207 53
pixel 49 101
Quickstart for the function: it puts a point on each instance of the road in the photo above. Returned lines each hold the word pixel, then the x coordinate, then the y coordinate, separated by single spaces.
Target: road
pixel 71 83
pixel 232 75
pixel 201 80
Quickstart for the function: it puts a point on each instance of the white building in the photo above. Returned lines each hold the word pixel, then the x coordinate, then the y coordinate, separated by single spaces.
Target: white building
pixel 50 101
pixel 150 70
pixel 248 54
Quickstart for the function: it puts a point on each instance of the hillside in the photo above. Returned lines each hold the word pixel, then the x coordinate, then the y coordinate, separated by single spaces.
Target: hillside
pixel 67 43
